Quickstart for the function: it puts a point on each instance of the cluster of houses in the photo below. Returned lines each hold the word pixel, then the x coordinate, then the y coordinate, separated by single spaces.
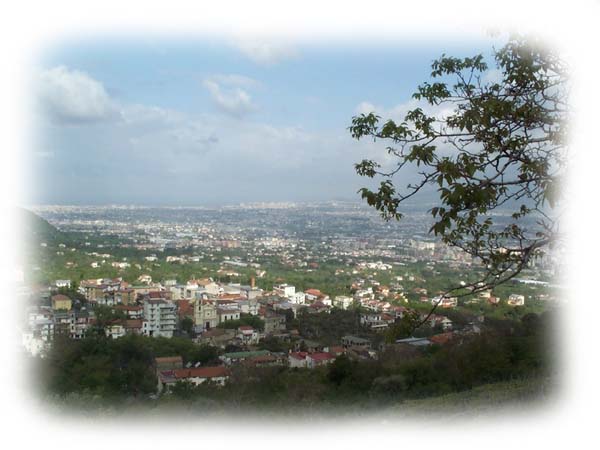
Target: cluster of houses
pixel 170 370
pixel 159 309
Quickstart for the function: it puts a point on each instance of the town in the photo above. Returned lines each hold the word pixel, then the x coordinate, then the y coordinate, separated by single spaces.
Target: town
pixel 288 286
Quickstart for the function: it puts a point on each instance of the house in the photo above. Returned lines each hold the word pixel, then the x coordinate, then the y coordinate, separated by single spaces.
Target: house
pixel 439 320
pixel 63 284
pixel 163 363
pixel 248 335
pixel 313 295
pixel 445 302
pixel 284 290
pixel 354 341
pixel 114 330
pixel 274 323
pixel 132 312
pixel 198 375
pixel 133 326
pixel 318 359
pixel 249 306
pixel 62 323
pixel 81 321
pixel 335 350
pixel 516 300
pixel 265 361
pixel 228 314
pixel 62 302
pixel 309 346
pixel 297 359
pixel 217 337
pixel 145 279
pixel 343 301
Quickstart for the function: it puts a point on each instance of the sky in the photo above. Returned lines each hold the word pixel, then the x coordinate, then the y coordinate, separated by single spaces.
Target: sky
pixel 204 121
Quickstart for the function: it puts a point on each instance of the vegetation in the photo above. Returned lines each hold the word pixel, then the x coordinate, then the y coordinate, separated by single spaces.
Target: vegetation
pixel 119 367
pixel 245 319
pixel 507 350
pixel 502 145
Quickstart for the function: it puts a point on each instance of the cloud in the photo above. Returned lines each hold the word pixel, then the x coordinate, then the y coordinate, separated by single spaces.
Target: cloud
pixel 227 94
pixel 265 53
pixel 234 80
pixel 73 97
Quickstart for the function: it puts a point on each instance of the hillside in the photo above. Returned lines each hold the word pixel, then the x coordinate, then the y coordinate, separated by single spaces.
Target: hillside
pixel 36 230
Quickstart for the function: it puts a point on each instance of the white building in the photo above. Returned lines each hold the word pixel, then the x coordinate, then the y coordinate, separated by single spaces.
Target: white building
pixel 63 284
pixel 159 318
pixel 284 290
pixel 114 331
pixel 516 300
pixel 343 301
pixel 299 298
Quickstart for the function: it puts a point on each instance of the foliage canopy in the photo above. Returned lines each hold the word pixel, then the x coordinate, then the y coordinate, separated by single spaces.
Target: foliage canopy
pixel 487 143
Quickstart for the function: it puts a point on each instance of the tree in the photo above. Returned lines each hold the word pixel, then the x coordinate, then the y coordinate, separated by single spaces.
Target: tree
pixel 502 147
pixel 402 327
pixel 187 325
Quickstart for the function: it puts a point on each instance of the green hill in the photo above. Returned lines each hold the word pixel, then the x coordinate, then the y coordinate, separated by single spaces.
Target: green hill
pixel 36 230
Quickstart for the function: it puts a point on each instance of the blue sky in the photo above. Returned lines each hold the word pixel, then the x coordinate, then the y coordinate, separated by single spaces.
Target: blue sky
pixel 205 121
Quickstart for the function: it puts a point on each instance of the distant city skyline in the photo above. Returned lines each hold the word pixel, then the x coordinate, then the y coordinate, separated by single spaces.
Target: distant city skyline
pixel 211 121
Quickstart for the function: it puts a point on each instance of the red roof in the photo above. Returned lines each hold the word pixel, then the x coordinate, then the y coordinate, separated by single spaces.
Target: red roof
pixel 129 308
pixel 201 372
pixel 132 323
pixel 336 349
pixel 185 308
pixel 313 291
pixel 441 338
pixel 298 355
pixel 322 356
pixel 168 359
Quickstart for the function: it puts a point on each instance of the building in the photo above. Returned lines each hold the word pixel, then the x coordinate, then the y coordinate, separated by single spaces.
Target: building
pixel 205 315
pixel 354 341
pixel 248 335
pixel 274 323
pixel 114 330
pixel 318 359
pixel 160 318
pixel 167 363
pixel 217 337
pixel 297 359
pixel 60 301
pixel 63 284
pixel 81 321
pixel 284 290
pixel 343 301
pixel 516 300
pixel 445 302
pixel 226 314
pixel 198 375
